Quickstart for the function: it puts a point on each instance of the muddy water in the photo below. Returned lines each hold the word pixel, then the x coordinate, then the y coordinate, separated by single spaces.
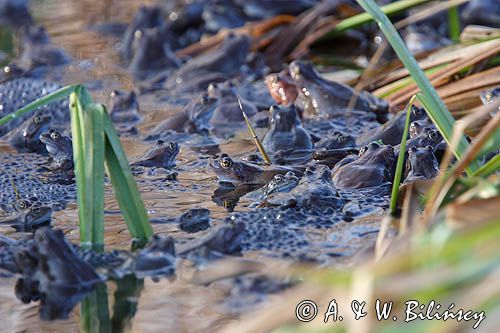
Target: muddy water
pixel 169 305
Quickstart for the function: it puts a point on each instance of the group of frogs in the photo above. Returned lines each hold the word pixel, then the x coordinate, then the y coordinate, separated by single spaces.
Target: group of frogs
pixel 333 149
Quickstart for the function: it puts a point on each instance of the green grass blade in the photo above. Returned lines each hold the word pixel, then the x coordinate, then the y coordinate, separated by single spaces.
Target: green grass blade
pixel 489 168
pixel 435 107
pixel 94 311
pixel 400 163
pixel 94 177
pixel 53 96
pixel 363 18
pixel 454 24
pixel 125 188
pixel 77 129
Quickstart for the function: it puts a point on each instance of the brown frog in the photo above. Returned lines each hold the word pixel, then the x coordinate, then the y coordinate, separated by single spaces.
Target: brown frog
pixel 218 65
pixel 421 164
pixel 239 172
pixel 26 138
pixel 193 118
pixel 374 166
pixel 392 131
pixel 327 99
pixel 285 131
pixel 161 154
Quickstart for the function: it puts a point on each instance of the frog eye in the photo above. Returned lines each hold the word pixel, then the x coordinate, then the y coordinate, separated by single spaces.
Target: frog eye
pixel 278 178
pixel 172 145
pixel 226 162
pixel 23 204
pixel 362 150
pixel 55 135
pixel 391 149
pixel 35 210
pixel 37 119
pixel 341 138
pixel 416 111
pixel 432 135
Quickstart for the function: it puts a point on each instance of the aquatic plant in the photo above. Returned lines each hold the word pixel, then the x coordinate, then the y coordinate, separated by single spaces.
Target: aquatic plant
pixel 96 147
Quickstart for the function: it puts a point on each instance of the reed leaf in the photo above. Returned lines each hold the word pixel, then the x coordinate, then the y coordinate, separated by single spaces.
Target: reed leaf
pixel 94 176
pixel 363 18
pixel 400 163
pixel 435 107
pixel 94 311
pixel 489 168
pixel 52 97
pixel 126 191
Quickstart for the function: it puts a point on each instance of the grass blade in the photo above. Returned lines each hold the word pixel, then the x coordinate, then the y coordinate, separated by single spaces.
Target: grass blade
pixel 94 176
pixel 52 97
pixel 454 24
pixel 489 168
pixel 94 311
pixel 400 163
pixel 126 191
pixel 77 128
pixel 363 18
pixel 435 107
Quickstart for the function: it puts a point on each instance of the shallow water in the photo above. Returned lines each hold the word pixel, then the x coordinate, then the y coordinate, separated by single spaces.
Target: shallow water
pixel 167 306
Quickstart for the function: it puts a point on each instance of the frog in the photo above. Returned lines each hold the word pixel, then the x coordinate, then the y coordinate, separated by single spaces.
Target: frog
pixel 281 183
pixel 282 87
pixel 146 17
pixel 30 218
pixel 315 190
pixel 160 154
pixel 240 172
pixel 417 127
pixel 15 14
pixel 26 138
pixel 227 110
pixel 263 9
pixel 391 132
pixel 194 220
pixel 421 164
pixel 285 131
pixel 490 96
pixel 481 12
pixel 124 107
pixel 60 148
pixel 423 38
pixel 193 118
pixel 225 240
pixel 373 167
pixel 152 54
pixel 156 259
pixel 429 136
pixel 222 14
pixel 331 157
pixel 58 265
pixel 221 64
pixel 327 99
pixel 38 49
pixel 336 140
pixel 255 92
